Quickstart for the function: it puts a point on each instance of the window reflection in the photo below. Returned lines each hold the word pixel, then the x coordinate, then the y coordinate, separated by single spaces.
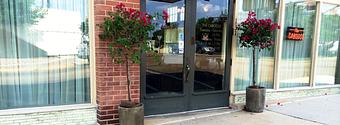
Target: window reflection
pixel 210 45
pixel 44 53
pixel 328 61
pixel 164 77
pixel 296 55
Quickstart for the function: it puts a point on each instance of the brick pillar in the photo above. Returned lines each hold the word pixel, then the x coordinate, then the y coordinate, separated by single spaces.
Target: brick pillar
pixel 111 83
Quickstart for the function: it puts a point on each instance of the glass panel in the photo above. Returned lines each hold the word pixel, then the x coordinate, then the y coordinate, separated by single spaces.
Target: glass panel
pixel 296 55
pixel 265 60
pixel 211 22
pixel 164 77
pixel 328 63
pixel 44 53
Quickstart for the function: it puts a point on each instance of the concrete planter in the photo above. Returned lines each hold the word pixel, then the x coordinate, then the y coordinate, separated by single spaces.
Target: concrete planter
pixel 131 116
pixel 255 99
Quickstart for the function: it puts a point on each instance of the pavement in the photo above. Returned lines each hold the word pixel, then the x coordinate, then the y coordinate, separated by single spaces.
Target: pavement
pixel 322 110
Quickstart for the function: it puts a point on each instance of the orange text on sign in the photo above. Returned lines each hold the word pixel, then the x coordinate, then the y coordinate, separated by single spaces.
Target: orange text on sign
pixel 295 36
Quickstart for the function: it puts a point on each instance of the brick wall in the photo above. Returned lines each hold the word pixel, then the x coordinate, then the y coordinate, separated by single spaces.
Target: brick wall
pixel 111 82
pixel 85 116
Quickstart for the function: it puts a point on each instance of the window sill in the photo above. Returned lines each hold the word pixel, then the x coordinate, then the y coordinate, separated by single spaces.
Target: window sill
pixel 45 109
pixel 290 89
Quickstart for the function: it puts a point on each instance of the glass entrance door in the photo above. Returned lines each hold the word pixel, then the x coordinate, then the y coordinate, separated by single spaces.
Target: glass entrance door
pixel 192 46
pixel 164 89
pixel 209 83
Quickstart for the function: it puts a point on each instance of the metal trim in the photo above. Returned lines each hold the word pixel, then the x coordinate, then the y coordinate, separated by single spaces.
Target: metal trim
pixel 210 92
pixel 278 47
pixel 158 97
pixel 315 44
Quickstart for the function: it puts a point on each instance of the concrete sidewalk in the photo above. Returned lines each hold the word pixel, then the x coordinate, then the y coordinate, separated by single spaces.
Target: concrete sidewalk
pixel 234 118
pixel 246 118
pixel 305 111
pixel 322 109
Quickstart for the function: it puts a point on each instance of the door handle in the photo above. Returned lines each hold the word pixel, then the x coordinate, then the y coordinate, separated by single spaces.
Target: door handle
pixel 187 68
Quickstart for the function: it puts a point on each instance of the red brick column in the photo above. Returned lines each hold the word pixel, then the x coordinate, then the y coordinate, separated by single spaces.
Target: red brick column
pixel 111 83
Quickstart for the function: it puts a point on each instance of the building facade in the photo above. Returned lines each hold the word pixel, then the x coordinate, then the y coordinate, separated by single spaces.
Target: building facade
pixel 55 70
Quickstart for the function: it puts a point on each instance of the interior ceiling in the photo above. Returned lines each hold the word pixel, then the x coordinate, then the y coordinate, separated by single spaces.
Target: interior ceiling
pixel 168 1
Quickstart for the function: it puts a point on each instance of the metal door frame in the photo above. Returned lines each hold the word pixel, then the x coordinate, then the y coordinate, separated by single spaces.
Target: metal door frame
pixel 189 53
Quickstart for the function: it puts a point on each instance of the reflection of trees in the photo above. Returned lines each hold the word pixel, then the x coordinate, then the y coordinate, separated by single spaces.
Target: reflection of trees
pixel 159 43
pixel 16 16
pixel 329 34
pixel 24 10
pixel 172 25
pixel 155 36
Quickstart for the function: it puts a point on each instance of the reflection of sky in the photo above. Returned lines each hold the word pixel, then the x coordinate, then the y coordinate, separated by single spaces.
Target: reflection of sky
pixel 59 33
pixel 335 46
pixel 261 12
pixel 213 8
pixel 153 7
pixel 330 9
pixel 79 6
pixel 58 36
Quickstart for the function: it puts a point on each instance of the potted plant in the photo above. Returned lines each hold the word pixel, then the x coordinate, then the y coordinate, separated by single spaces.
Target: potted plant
pixel 257 35
pixel 126 31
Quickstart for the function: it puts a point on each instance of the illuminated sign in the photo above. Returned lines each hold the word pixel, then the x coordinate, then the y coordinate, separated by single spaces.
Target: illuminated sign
pixel 295 33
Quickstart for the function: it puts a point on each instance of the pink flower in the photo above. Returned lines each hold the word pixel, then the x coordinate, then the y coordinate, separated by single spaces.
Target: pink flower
pixel 272 27
pixel 251 14
pixel 246 22
pixel 144 20
pixel 245 38
pixel 254 31
pixel 120 5
pixel 131 10
pixel 165 15
pixel 262 22
pixel 131 13
pixel 268 20
pixel 149 17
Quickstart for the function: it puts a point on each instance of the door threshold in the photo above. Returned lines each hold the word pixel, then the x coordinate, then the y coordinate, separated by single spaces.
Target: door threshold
pixel 163 119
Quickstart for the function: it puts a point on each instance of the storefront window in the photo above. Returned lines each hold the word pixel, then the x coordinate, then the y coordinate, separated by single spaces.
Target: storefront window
pixel 44 53
pixel 295 63
pixel 243 61
pixel 328 61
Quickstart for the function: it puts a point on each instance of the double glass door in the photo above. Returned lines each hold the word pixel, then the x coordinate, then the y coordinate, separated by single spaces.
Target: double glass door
pixel 194 57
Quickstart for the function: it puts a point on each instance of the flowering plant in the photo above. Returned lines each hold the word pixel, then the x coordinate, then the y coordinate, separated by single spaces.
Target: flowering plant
pixel 126 30
pixel 257 33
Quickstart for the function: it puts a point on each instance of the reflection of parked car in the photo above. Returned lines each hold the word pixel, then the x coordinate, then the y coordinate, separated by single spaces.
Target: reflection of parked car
pixel 203 48
pixel 173 49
